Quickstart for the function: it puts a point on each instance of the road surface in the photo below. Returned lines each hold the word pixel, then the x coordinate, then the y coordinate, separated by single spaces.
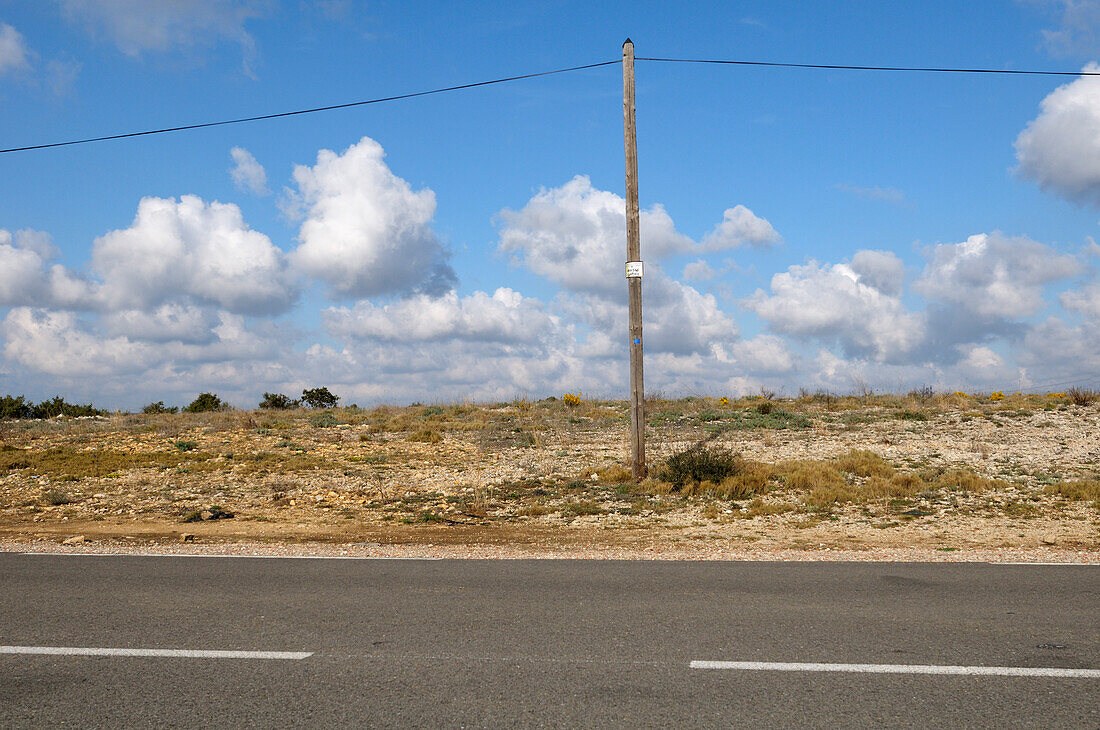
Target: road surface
pixel 108 641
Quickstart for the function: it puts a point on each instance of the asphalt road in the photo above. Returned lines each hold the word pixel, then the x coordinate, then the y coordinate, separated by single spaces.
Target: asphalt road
pixel 542 643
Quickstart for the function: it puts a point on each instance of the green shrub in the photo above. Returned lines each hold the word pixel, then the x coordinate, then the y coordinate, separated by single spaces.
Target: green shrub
pixel 187 445
pixel 323 420
pixel 57 497
pixel 426 436
pixel 278 402
pixel 319 398
pixel 700 464
pixel 58 406
pixel 159 407
pixel 15 407
pixel 205 402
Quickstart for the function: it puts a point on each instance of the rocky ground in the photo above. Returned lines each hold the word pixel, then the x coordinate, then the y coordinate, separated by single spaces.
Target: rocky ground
pixel 885 477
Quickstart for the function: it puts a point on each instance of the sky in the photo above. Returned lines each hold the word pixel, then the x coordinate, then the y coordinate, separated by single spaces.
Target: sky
pixel 806 229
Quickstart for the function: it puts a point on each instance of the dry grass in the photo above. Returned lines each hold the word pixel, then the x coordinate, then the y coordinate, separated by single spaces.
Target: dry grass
pixel 75 464
pixel 782 461
pixel 1085 490
pixel 865 464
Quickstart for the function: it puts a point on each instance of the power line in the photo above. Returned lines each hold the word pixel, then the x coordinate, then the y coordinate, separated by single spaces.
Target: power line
pixel 727 62
pixel 313 110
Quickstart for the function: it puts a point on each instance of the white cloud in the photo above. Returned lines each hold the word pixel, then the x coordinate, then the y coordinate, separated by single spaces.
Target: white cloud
pixel 575 235
pixel 740 227
pixel 1054 350
pixel 135 26
pixel 994 276
pixel 26 277
pixel 14 55
pixel 366 232
pixel 56 343
pixel 1060 149
pixel 881 269
pixel 1085 300
pixel 764 354
pixel 699 271
pixel 1079 31
pixel 248 174
pixel 193 249
pixel 173 322
pixel 835 303
pixel 676 319
pixel 505 316
pixel 982 365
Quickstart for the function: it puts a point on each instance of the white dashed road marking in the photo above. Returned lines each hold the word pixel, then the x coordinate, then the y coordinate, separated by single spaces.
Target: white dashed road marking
pixel 174 653
pixel 900 669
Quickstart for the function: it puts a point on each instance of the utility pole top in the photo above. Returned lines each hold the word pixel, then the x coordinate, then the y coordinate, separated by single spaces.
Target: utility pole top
pixel 628 41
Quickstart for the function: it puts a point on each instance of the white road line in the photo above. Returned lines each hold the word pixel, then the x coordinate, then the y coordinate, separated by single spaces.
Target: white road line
pixel 218 555
pixel 176 653
pixel 1083 565
pixel 900 669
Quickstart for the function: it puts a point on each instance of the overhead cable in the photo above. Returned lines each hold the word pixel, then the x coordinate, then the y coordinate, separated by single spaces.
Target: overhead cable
pixel 312 110
pixel 932 69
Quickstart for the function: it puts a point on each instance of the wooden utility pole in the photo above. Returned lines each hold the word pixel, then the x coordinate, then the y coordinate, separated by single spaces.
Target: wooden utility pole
pixel 633 270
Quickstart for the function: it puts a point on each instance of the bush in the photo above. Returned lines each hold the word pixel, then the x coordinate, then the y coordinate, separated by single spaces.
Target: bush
pixel 1082 396
pixel 700 464
pixel 425 436
pixel 278 401
pixel 15 407
pixel 58 406
pixel 323 420
pixel 205 402
pixel 159 407
pixel 319 398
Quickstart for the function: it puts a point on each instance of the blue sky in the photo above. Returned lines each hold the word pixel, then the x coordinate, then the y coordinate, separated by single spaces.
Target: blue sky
pixel 881 230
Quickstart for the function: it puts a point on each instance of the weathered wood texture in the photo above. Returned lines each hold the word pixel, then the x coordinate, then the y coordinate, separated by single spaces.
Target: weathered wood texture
pixel 634 284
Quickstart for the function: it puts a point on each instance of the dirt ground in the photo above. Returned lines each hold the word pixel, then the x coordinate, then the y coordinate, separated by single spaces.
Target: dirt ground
pixel 924 477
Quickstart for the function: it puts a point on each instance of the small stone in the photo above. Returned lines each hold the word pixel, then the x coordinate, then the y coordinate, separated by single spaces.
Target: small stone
pixel 187 537
pixel 77 540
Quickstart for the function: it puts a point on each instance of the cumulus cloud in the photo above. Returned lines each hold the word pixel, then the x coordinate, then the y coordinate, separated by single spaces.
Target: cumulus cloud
pixel 836 303
pixel 1060 149
pixel 1085 300
pixel 189 248
pixel 699 271
pixel 740 227
pixel 135 26
pixel 575 235
pixel 27 278
pixel 172 322
pixel 993 275
pixel 881 269
pixel 505 316
pixel 14 55
pixel 248 174
pixel 57 344
pixel 366 232
pixel 764 354
pixel 1055 350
